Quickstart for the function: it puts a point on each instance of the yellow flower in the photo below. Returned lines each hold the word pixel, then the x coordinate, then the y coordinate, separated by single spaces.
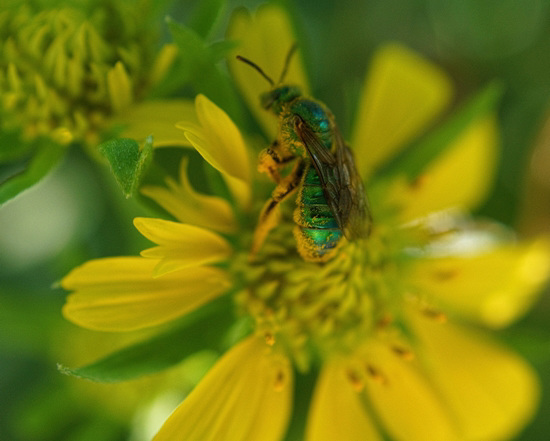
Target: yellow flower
pixel 386 321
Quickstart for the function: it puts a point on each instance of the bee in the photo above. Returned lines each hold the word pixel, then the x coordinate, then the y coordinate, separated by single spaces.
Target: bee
pixel 331 203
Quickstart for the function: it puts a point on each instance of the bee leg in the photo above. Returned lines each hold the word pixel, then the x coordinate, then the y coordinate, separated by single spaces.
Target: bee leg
pixel 272 159
pixel 270 214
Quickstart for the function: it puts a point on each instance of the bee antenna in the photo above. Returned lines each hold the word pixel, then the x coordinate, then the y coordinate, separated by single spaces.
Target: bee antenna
pixel 287 61
pixel 255 66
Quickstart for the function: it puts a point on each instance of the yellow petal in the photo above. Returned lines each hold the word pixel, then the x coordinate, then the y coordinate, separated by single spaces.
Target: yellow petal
pixel 119 86
pixel 163 62
pixel 220 143
pixel 495 287
pixel 404 400
pixel 265 39
pixel 181 245
pixel 157 118
pixel 460 178
pixel 245 396
pixel 336 410
pixel 188 206
pixel 491 391
pixel 403 93
pixel 120 294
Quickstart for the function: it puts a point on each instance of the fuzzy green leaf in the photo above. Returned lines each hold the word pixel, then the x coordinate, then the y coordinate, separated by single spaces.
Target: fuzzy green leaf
pixel 47 154
pixel 200 330
pixel 128 163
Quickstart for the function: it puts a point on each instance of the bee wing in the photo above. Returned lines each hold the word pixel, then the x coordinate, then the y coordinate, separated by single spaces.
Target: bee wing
pixel 342 185
pixel 353 198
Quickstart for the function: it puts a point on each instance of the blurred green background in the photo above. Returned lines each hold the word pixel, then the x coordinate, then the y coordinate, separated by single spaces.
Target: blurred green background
pixel 78 213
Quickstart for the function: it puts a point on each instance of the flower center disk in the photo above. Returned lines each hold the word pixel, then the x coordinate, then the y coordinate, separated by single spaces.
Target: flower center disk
pixel 315 308
pixel 64 71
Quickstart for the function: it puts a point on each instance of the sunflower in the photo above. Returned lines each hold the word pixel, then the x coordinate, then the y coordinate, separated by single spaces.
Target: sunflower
pixel 394 326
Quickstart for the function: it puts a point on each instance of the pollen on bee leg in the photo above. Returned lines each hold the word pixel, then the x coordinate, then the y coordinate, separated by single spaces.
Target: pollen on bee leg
pixel 269 218
pixel 356 380
pixel 267 165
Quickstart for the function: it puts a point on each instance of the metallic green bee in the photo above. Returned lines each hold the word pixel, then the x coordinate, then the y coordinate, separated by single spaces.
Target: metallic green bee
pixel 331 202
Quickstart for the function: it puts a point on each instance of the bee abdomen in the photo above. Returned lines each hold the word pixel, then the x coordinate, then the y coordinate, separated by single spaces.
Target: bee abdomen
pixel 317 216
pixel 317 245
pixel 317 231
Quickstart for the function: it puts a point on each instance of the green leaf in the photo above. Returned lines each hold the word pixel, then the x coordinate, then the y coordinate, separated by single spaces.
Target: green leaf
pixel 145 158
pixel 128 163
pixel 206 15
pixel 416 157
pixel 220 49
pixel 200 330
pixel 197 65
pixel 193 48
pixel 190 61
pixel 47 155
pixel 12 147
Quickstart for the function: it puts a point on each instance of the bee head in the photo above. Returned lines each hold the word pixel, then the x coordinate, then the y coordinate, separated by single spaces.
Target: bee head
pixel 277 97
